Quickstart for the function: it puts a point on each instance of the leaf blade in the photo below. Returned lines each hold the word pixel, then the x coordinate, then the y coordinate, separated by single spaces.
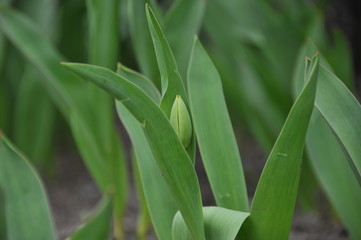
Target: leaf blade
pixel 169 152
pixel 275 197
pixel 214 132
pixel 22 187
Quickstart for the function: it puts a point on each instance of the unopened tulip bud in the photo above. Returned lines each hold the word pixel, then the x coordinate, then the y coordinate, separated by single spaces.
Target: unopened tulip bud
pixel 180 120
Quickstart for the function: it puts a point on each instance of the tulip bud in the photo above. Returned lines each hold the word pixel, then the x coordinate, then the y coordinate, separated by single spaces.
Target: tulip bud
pixel 180 120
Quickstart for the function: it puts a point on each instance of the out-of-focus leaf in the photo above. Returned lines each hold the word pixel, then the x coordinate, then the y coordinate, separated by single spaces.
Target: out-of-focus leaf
pixel 97 225
pixel 219 223
pixel 33 106
pixel 172 159
pixel 26 207
pixel 104 34
pixel 160 202
pixel 103 51
pixel 2 216
pixel 342 112
pixel 328 158
pixel 180 36
pixel 68 92
pixel 334 173
pixel 337 105
pixel 172 84
pixel 214 132
pixel 34 119
pixel 27 37
pixel 142 41
pixel 338 54
pixel 274 201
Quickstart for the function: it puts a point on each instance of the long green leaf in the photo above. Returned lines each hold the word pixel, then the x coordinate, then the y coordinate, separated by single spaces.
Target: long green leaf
pixel 167 149
pixel 97 225
pixel 337 105
pixel 342 112
pixel 275 197
pixel 214 132
pixel 160 201
pixel 328 158
pixel 27 211
pixel 219 223
pixel 103 51
pixel 172 84
pixel 104 32
pixel 335 175
pixel 34 108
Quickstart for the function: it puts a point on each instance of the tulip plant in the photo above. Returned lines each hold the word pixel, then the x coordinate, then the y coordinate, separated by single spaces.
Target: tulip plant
pixel 165 127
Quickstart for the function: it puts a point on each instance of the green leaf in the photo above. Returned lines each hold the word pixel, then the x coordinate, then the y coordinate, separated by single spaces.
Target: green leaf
pixel 140 81
pixel 167 149
pixel 342 112
pixel 219 223
pixel 172 84
pixel 180 36
pixel 27 211
pixel 214 132
pixel 27 37
pixel 34 118
pixel 97 225
pixel 275 197
pixel 338 106
pixel 160 201
pixel 104 33
pixel 103 51
pixel 328 158
pixel 158 198
pixel 104 159
pixel 335 175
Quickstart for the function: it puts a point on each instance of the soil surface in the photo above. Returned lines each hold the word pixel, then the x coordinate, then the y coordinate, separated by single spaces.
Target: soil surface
pixel 73 194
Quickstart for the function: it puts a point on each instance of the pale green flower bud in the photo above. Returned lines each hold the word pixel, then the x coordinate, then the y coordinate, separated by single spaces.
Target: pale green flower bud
pixel 180 120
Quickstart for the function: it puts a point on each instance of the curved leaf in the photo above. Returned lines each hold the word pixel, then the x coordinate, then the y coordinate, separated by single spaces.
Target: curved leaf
pixel 219 223
pixel 335 175
pixel 328 158
pixel 158 198
pixel 275 197
pixel 168 151
pixel 160 201
pixel 342 112
pixel 27 211
pixel 140 81
pixel 172 84
pixel 214 132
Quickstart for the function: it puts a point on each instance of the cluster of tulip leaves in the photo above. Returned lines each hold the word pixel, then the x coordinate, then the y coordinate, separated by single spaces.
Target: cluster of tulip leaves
pixel 323 108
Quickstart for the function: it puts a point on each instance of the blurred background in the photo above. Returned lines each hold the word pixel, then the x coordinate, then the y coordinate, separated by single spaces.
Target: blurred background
pixel 255 45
